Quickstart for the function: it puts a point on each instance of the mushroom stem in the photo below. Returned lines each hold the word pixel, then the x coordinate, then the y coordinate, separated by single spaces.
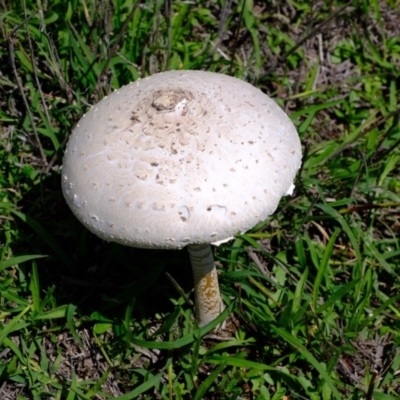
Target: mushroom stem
pixel 206 289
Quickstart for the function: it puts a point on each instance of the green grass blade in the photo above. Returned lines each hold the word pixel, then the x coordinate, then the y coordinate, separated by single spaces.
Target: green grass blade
pixel 336 296
pixel 188 339
pixel 71 323
pixel 18 260
pixel 55 313
pixel 14 325
pixel 309 357
pixel 202 390
pixel 144 387
pixel 323 267
pixel 47 238
pixel 34 286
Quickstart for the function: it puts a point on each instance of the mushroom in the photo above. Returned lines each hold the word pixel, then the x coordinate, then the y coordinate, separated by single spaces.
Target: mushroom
pixel 182 158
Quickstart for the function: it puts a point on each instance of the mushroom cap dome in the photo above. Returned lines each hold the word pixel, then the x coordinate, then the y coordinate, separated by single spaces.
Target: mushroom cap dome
pixel 178 158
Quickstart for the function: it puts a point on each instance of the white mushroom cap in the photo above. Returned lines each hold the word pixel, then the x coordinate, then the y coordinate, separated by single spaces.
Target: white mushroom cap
pixel 178 158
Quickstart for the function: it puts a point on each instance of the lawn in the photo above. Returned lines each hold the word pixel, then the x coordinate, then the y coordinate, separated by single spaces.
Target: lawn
pixel 312 294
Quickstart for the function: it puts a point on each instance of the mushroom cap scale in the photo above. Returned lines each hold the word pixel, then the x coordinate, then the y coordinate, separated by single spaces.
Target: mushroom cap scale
pixel 181 157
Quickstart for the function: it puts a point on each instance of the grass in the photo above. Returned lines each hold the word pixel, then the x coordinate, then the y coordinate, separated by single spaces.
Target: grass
pixel 313 293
